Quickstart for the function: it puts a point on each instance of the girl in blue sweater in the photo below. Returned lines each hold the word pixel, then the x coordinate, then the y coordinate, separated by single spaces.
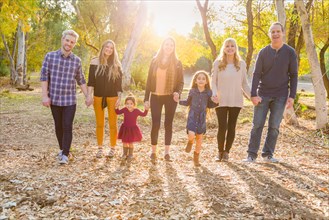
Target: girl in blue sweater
pixel 199 99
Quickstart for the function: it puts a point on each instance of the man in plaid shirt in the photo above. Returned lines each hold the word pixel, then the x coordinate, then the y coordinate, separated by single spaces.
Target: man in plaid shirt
pixel 60 72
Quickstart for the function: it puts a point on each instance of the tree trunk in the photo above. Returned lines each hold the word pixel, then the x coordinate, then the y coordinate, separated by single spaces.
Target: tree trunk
pixel 11 61
pixel 203 11
pixel 323 67
pixel 250 19
pixel 20 55
pixel 293 28
pixel 319 90
pixel 289 114
pixel 300 42
pixel 132 45
pixel 279 5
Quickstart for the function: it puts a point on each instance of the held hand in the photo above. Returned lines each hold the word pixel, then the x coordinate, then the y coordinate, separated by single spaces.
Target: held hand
pixel 117 104
pixel 146 106
pixel 215 99
pixel 256 100
pixel 176 97
pixel 46 101
pixel 290 103
pixel 89 101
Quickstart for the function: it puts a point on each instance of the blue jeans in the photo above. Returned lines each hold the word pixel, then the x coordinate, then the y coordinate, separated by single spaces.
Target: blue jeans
pixel 276 105
pixel 63 118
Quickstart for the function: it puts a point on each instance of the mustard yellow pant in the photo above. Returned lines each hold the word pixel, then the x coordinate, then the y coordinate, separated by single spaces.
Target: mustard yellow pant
pixel 100 120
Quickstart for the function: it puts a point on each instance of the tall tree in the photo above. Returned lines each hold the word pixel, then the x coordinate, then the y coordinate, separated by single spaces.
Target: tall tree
pixel 289 113
pixel 323 66
pixel 132 44
pixel 203 11
pixel 250 20
pixel 280 9
pixel 21 53
pixel 319 90
pixel 14 21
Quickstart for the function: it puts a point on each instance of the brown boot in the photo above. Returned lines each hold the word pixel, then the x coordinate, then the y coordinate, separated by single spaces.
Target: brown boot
pixel 196 159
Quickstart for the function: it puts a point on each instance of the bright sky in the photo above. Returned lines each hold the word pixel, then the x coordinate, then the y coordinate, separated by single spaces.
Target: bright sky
pixel 179 15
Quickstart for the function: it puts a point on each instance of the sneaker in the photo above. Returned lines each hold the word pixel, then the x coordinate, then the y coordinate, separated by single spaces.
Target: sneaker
pixel 60 154
pixel 188 147
pixel 270 159
pixel 64 160
pixel 167 158
pixel 249 160
pixel 111 152
pixel 219 157
pixel 153 158
pixel 99 153
pixel 225 156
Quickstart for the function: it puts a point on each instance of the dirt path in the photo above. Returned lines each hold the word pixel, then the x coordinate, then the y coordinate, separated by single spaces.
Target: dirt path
pixel 34 186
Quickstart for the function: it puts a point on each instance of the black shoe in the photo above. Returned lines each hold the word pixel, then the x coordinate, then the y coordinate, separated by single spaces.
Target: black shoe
pixel 188 147
pixel 167 158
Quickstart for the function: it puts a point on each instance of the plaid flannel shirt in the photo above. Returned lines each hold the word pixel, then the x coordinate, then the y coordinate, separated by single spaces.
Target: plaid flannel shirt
pixel 62 74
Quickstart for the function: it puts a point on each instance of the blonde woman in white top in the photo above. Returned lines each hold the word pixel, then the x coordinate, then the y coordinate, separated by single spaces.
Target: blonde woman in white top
pixel 229 83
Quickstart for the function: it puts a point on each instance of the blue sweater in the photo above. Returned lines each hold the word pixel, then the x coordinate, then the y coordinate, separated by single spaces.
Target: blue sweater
pixel 198 102
pixel 275 72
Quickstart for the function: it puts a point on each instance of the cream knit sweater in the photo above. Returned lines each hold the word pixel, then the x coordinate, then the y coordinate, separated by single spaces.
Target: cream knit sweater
pixel 230 85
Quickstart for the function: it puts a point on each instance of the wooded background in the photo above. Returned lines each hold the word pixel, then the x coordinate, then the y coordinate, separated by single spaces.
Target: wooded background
pixel 31 28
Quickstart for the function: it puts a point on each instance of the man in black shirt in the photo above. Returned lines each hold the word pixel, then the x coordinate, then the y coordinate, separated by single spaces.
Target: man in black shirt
pixel 274 86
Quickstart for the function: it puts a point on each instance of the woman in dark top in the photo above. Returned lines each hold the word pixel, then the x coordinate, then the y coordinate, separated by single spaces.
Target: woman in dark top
pixel 164 85
pixel 105 77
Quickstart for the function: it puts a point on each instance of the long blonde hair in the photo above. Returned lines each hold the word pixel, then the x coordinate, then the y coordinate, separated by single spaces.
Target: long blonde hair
pixel 114 70
pixel 222 57
pixel 173 59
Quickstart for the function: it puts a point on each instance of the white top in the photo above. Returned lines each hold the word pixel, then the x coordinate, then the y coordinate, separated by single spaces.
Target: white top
pixel 230 84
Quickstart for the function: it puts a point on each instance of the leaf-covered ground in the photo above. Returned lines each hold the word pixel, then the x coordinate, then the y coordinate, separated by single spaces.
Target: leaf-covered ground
pixel 34 186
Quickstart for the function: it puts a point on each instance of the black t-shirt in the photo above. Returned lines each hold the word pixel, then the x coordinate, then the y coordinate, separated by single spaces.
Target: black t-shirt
pixel 103 86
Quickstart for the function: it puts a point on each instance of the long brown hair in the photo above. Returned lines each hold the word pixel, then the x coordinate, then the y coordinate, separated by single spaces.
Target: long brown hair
pixel 195 76
pixel 112 60
pixel 173 59
pixel 222 57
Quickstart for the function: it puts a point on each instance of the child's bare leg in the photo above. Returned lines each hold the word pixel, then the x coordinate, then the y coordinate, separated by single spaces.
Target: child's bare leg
pixel 125 149
pixel 199 138
pixel 190 137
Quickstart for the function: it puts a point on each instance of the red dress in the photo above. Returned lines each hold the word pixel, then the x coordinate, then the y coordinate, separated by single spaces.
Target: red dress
pixel 129 131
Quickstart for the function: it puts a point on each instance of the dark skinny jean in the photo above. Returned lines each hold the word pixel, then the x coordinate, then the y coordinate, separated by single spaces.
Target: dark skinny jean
pixel 156 104
pixel 63 118
pixel 227 118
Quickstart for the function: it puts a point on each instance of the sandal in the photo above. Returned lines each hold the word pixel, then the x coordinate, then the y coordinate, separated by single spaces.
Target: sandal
pixel 99 153
pixel 111 153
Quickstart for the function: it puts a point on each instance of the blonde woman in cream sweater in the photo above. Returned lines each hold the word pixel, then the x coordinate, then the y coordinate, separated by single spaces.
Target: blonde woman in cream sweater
pixel 229 84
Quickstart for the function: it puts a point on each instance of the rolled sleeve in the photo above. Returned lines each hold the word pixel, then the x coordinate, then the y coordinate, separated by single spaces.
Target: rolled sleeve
pixel 79 77
pixel 44 75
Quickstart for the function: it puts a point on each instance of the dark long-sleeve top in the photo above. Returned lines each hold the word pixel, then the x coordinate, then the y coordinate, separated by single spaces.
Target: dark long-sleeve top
pixel 103 86
pixel 198 102
pixel 276 73
pixel 151 80
pixel 130 118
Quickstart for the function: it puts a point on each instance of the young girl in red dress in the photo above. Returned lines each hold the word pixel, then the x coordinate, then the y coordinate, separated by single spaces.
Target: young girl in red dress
pixel 129 131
